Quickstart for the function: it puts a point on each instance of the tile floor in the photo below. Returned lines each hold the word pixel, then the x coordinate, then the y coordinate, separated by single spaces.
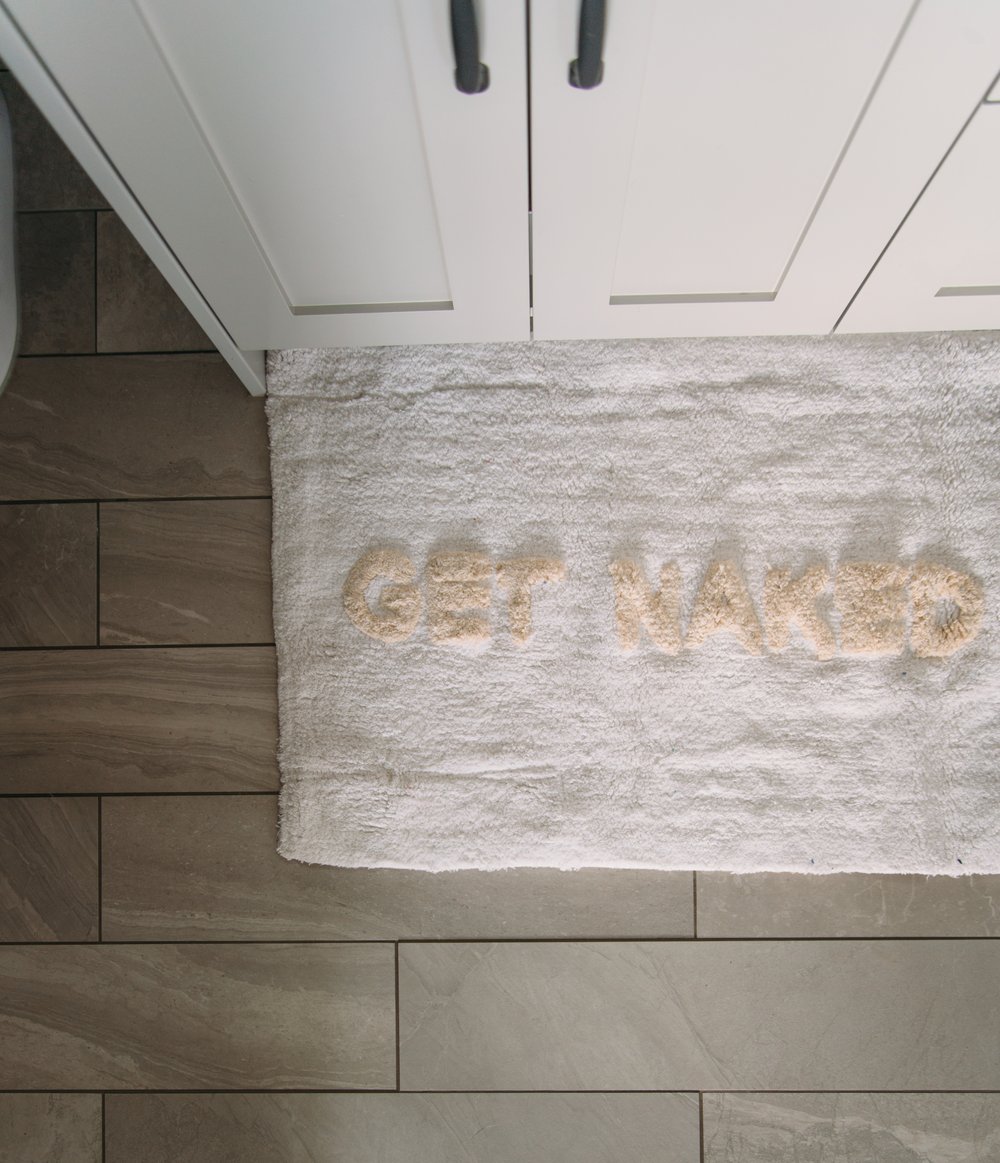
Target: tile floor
pixel 173 991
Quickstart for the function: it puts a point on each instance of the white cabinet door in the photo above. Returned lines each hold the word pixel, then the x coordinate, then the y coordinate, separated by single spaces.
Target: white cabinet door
pixel 942 270
pixel 310 162
pixel 741 165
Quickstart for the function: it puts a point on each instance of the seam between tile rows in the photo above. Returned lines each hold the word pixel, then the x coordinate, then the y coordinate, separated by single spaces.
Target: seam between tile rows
pixel 398 1056
pixel 132 501
pixel 590 939
pixel 100 869
pixel 97 575
pixel 188 351
pixel 701 1124
pixel 392 1090
pixel 138 646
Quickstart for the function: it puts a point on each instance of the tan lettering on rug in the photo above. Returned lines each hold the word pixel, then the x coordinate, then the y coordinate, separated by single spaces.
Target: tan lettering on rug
pixel 456 584
pixel 947 610
pixel 789 602
pixel 637 604
pixel 400 602
pixel 878 603
pixel 872 599
pixel 517 578
pixel 723 603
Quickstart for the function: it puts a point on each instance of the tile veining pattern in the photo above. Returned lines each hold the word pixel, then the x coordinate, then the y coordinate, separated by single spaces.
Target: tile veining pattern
pixel 172 990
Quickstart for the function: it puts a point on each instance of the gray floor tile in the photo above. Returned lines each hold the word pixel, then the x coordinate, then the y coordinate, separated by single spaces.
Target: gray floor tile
pixel 137 309
pixel 215 1017
pixel 701 1015
pixel 48 869
pixel 207 867
pixel 185 572
pixel 138 720
pixel 852 1128
pixel 130 426
pixel 847 905
pixel 50 1128
pixel 403 1128
pixel 48 176
pixel 48 575
pixel 56 272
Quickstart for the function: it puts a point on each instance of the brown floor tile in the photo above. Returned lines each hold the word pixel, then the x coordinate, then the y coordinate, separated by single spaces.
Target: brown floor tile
pixel 130 426
pixel 138 720
pixel 50 1128
pixel 847 905
pixel 186 572
pixel 214 1017
pixel 852 1128
pixel 207 868
pixel 700 1015
pixel 48 176
pixel 137 310
pixel 48 575
pixel 56 270
pixel 48 869
pixel 403 1128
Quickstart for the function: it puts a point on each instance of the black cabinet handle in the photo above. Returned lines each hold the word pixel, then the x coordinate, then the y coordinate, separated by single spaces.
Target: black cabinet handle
pixel 471 75
pixel 587 71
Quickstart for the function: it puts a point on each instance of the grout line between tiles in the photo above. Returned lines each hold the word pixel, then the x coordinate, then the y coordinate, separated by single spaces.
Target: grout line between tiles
pixel 94 214
pixel 390 1090
pixel 397 1017
pixel 694 902
pixel 140 1091
pixel 213 351
pixel 50 795
pixel 140 646
pixel 679 940
pixel 100 869
pixel 701 1126
pixel 203 941
pixel 97 576
pixel 688 1090
pixel 584 939
pixel 134 500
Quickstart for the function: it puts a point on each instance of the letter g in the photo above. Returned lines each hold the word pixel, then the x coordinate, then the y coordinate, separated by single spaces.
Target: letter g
pixel 400 603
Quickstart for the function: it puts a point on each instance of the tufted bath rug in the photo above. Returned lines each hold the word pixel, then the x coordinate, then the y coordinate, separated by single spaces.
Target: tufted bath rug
pixel 699 604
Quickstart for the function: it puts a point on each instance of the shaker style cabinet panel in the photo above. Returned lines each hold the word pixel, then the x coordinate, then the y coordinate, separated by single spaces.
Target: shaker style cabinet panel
pixel 942 270
pixel 311 163
pixel 741 166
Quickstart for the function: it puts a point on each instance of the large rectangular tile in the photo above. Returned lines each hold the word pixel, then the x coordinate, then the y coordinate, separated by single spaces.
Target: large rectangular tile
pixel 185 572
pixel 847 905
pixel 701 1015
pixel 48 869
pixel 851 1128
pixel 130 426
pixel 48 575
pixel 207 867
pixel 137 309
pixel 403 1128
pixel 48 176
pixel 50 1128
pixel 215 1017
pixel 194 720
pixel 56 272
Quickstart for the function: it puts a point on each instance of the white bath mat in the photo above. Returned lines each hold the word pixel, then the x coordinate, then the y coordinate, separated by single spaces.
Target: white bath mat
pixel 679 605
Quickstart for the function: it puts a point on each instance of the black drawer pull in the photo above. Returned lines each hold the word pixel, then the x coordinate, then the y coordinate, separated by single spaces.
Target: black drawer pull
pixel 587 71
pixel 471 75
